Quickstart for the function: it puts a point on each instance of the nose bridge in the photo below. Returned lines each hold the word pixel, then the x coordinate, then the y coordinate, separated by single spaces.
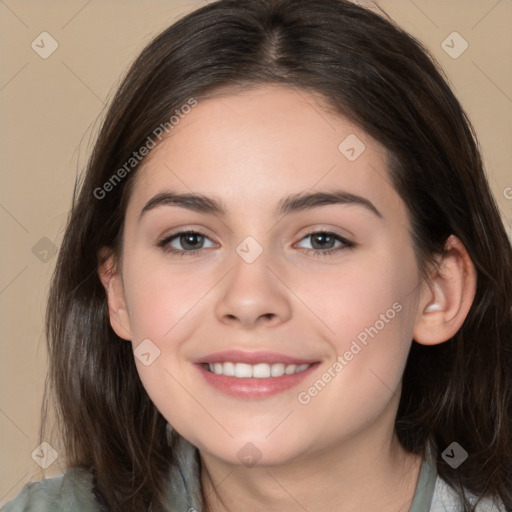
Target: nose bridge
pixel 251 291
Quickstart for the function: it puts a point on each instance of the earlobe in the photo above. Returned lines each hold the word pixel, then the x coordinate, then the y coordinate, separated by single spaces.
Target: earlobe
pixel 447 297
pixel 110 277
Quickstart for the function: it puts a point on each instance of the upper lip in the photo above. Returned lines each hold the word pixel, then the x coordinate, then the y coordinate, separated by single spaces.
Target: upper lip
pixel 241 356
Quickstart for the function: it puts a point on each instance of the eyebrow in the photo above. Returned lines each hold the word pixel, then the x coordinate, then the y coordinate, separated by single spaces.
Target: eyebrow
pixel 293 203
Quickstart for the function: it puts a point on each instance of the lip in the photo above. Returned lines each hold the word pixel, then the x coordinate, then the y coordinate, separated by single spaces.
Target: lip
pixel 253 388
pixel 241 356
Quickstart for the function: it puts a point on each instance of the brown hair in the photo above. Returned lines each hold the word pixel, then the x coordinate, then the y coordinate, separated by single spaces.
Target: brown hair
pixel 385 81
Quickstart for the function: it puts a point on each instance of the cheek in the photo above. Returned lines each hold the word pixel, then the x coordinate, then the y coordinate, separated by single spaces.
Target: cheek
pixel 369 310
pixel 370 350
pixel 161 297
pixel 164 304
pixel 367 293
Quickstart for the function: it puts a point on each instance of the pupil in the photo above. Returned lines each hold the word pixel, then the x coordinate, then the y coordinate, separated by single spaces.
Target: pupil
pixel 189 240
pixel 322 237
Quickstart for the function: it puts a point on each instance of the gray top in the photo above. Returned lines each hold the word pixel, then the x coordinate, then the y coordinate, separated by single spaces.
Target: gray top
pixel 72 490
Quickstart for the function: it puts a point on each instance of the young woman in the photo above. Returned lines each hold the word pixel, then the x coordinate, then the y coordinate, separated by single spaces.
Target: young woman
pixel 284 284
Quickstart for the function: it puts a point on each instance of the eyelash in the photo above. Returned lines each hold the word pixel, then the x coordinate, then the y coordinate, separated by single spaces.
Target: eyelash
pixel 163 244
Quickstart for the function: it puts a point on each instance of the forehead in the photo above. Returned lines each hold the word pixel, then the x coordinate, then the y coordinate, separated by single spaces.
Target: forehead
pixel 254 147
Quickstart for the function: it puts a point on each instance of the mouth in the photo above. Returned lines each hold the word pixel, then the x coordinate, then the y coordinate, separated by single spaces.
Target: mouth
pixel 253 375
pixel 256 371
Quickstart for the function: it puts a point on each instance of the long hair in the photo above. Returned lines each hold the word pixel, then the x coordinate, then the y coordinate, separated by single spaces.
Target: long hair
pixel 383 80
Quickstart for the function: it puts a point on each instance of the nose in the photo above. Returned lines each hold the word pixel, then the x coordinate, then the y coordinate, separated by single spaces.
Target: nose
pixel 252 295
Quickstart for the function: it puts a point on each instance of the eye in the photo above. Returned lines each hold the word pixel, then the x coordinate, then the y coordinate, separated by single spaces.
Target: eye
pixel 189 243
pixel 324 243
pixel 185 243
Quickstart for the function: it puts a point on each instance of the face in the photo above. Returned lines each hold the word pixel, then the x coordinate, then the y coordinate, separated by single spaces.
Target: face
pixel 310 302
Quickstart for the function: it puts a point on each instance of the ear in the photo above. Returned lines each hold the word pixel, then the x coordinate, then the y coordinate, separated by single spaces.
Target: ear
pixel 110 277
pixel 447 296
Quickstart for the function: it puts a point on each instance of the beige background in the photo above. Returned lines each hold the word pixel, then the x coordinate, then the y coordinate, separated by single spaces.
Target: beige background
pixel 48 112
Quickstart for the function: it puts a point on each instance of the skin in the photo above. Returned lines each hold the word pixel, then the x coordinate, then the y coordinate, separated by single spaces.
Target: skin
pixel 251 149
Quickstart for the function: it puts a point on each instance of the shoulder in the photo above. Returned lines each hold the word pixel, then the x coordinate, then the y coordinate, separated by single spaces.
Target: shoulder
pixel 70 491
pixel 445 499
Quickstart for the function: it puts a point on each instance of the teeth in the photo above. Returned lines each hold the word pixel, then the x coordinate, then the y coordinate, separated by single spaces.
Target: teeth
pixel 261 371
pixel 276 370
pixel 227 369
pixel 290 369
pixel 257 371
pixel 242 370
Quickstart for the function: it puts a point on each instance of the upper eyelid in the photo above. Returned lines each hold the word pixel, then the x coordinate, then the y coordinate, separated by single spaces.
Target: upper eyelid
pixel 186 231
pixel 338 236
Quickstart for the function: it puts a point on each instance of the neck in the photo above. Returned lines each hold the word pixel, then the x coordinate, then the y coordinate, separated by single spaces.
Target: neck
pixel 356 476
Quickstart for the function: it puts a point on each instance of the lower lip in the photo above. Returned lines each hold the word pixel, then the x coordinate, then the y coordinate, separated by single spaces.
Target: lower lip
pixel 252 388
